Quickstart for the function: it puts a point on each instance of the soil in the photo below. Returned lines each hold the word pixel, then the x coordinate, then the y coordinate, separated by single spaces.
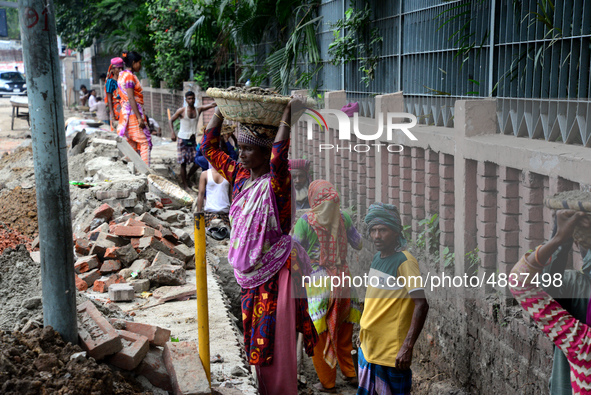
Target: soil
pixel 254 91
pixel 40 362
pixel 20 210
pixel 580 196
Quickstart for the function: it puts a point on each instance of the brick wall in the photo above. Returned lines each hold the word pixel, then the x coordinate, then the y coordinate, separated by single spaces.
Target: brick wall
pixel 488 191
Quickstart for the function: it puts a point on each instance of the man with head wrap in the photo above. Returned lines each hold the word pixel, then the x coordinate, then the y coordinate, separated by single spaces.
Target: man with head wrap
pixel 395 308
pixel 300 175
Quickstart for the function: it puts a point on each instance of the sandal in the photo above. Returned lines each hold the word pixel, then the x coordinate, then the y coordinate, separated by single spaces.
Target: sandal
pixel 321 388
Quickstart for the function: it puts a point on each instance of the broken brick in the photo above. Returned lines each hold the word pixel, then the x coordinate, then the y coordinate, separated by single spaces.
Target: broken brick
pixel 135 242
pixel 120 194
pixel 133 231
pixel 90 277
pixel 80 284
pixel 139 265
pixel 86 264
pixel 150 220
pixel 156 335
pixel 165 275
pixel 182 362
pixel 152 367
pixel 134 222
pixel 97 335
pixel 140 285
pixel 163 259
pixel 126 255
pixel 125 273
pixel 110 266
pixel 102 284
pixel 184 253
pixel 110 253
pixel 104 211
pixel 124 218
pixel 121 292
pixel 135 348
pixel 83 246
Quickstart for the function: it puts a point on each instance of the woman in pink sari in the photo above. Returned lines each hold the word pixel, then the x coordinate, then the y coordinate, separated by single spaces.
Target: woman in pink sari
pixel 261 250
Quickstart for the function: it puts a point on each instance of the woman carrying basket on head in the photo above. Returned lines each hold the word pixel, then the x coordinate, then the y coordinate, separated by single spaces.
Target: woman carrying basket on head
pixel 261 249
pixel 132 121
pixel 112 96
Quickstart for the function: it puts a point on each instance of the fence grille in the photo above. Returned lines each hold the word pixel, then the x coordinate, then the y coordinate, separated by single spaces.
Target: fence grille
pixel 538 68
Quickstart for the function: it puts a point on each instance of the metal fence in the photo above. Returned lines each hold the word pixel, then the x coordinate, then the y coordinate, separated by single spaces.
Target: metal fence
pixel 538 68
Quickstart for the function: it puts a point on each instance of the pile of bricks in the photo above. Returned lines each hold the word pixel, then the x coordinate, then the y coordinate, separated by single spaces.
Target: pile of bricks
pixel 128 254
pixel 145 349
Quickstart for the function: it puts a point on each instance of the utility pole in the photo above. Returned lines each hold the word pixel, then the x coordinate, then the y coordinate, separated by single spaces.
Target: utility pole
pixel 39 40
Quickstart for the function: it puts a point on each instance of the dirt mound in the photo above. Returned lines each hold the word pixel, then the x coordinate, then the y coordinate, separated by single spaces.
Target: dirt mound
pixel 20 288
pixel 10 238
pixel 20 154
pixel 20 211
pixel 39 362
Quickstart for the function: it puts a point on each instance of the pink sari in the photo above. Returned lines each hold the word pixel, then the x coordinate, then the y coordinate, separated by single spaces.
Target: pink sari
pixel 258 247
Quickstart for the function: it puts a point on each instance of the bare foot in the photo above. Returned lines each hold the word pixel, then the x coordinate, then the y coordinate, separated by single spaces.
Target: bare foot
pixel 321 388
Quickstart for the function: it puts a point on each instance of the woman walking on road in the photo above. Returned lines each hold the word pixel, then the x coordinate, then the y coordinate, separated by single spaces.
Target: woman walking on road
pixel 324 232
pixel 112 91
pixel 132 121
pixel 261 249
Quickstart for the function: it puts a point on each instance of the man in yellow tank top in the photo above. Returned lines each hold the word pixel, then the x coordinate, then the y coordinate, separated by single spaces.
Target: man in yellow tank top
pixel 395 308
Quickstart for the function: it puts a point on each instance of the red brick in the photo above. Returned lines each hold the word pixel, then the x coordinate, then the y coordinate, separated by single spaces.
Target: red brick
pixel 487 229
pixel 446 239
pixel 486 183
pixel 83 246
pixel 86 264
pixel 110 266
pixel 110 253
pixel 185 369
pixel 509 239
pixel 447 212
pixel 446 225
pixel 135 242
pixel 432 180
pixel 104 211
pixel 134 222
pixel 405 160
pixel 432 206
pixel 509 206
pixel 487 244
pixel 418 163
pixel 393 193
pixel 90 277
pixel 135 348
pixel 431 155
pixel 370 193
pixel 446 185
pixel 486 214
pixel 509 222
pixel 152 367
pixel 509 174
pixel 488 260
pixel 446 159
pixel 418 188
pixel 509 189
pixel 533 230
pixel 102 284
pixel 447 199
pixel 406 173
pixel 405 209
pixel 168 244
pixel 446 171
pixel 432 193
pixel 80 284
pixel 406 185
pixel 432 168
pixel 418 213
pixel 533 196
pixel 156 336
pixel 370 182
pixel 418 177
pixel 532 180
pixel 486 199
pixel 167 234
pixel 133 231
pixel 104 339
pixel 486 169
pixel 532 213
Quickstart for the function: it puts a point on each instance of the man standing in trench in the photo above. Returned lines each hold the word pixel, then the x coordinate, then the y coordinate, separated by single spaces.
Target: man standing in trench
pixel 395 310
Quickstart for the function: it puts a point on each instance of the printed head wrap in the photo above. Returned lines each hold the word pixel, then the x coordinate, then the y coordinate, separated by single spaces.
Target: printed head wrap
pixel 260 135
pixel 117 62
pixel 386 214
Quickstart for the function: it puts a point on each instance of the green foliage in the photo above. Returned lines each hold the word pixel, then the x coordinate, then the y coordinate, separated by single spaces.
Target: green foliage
pixel 473 259
pixel 14 31
pixel 429 234
pixel 174 339
pixel 448 257
pixel 355 40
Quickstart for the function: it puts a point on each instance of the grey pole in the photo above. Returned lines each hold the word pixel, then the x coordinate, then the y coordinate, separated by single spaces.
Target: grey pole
pixel 39 40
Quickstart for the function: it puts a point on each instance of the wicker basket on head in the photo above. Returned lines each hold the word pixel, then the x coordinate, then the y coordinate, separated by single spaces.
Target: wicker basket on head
pixel 249 108
pixel 573 200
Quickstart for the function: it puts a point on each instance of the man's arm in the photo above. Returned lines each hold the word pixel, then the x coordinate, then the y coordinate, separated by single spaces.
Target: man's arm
pixel 177 114
pixel 419 315
pixel 202 186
